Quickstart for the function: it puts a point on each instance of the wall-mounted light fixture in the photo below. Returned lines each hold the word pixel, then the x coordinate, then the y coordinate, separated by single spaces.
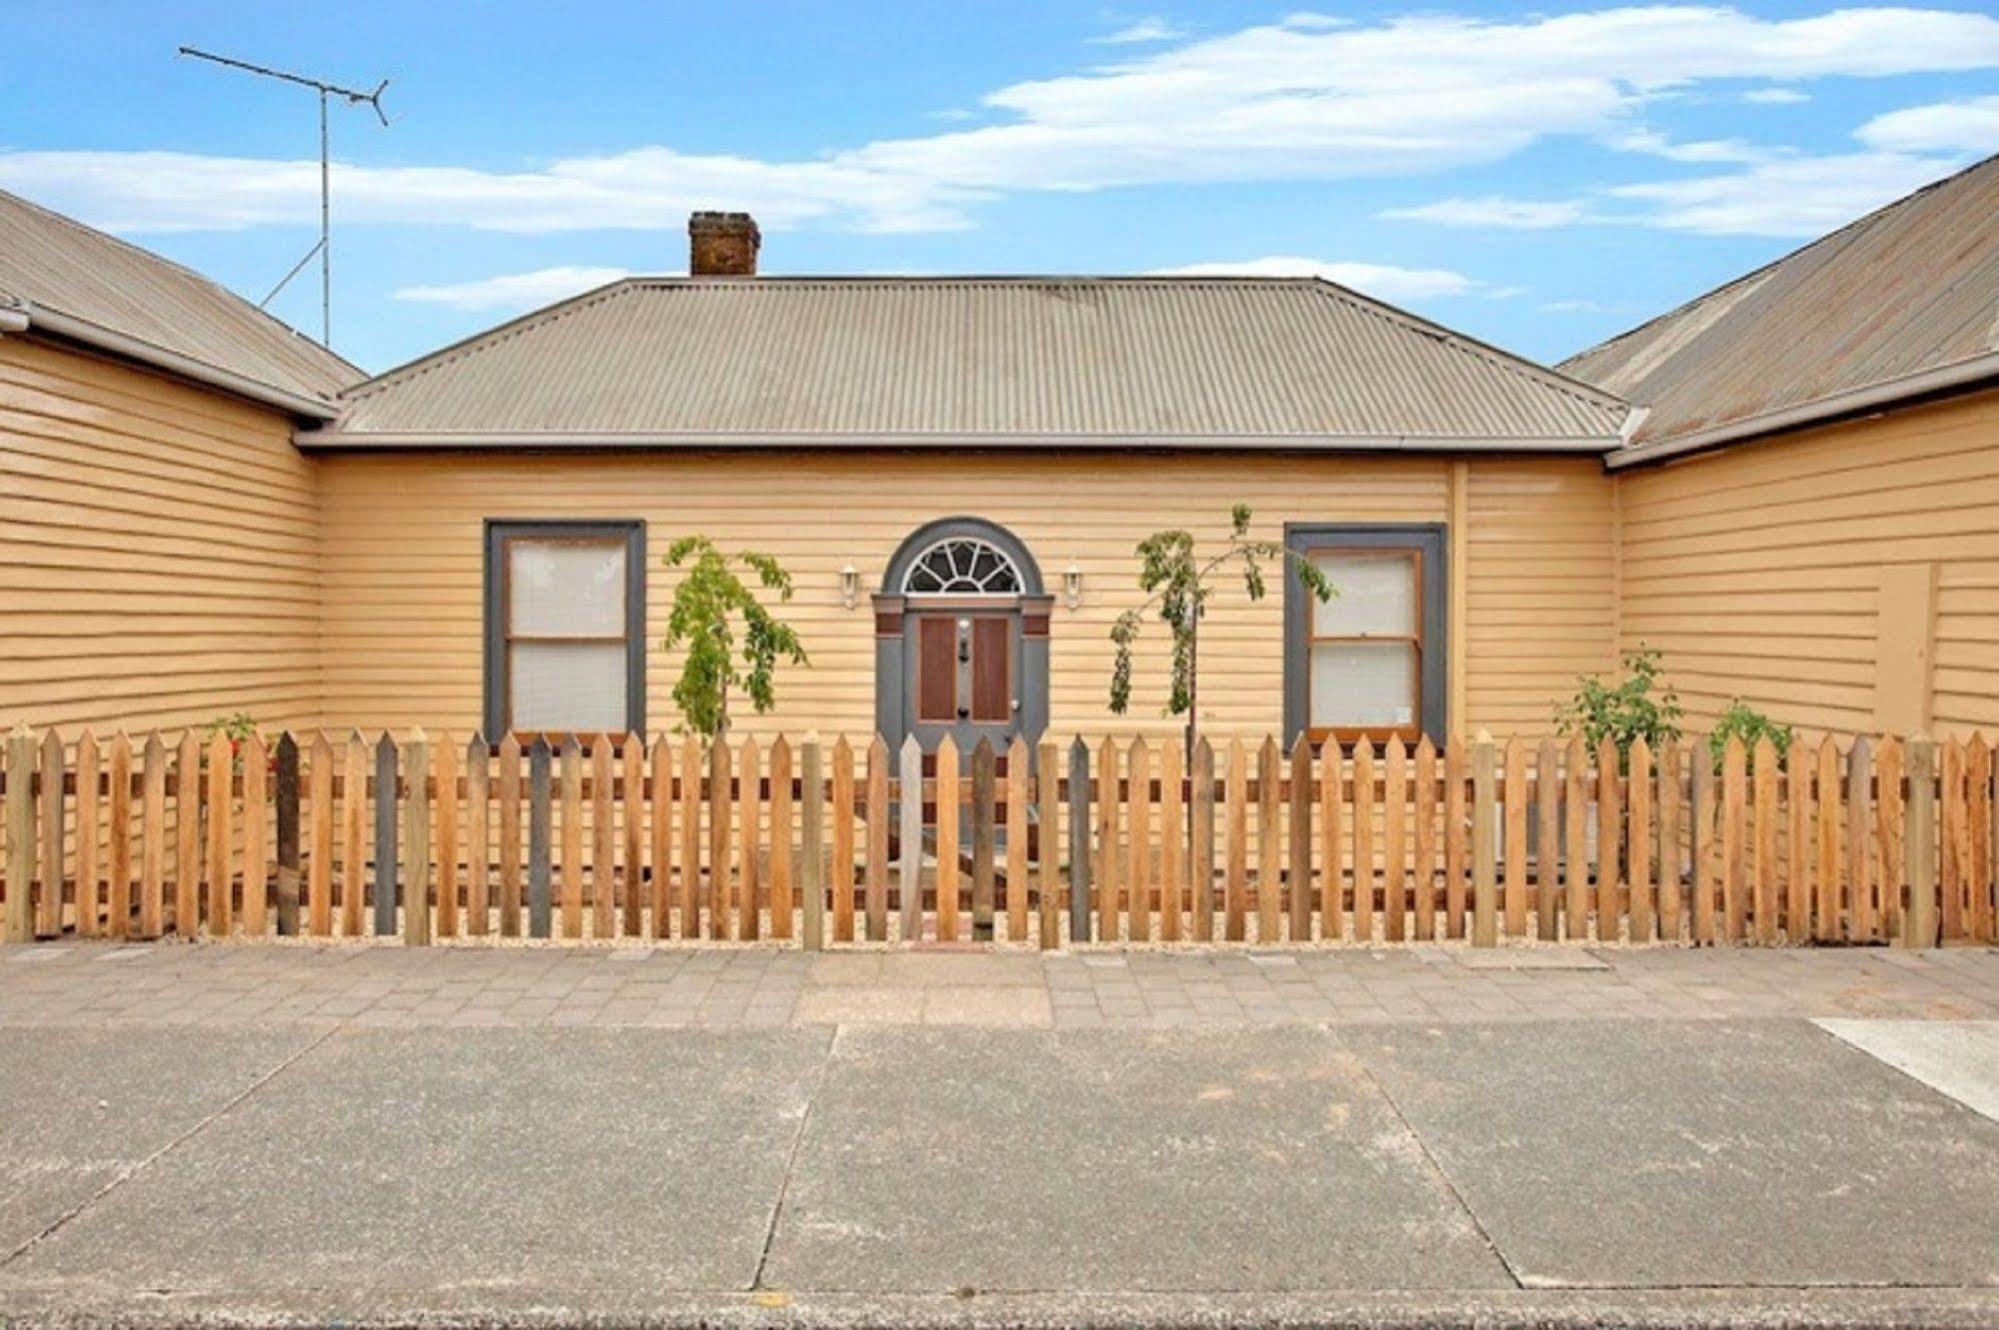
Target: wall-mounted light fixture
pixel 1072 584
pixel 850 584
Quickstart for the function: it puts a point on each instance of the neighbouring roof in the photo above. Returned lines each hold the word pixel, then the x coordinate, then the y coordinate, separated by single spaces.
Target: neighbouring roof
pixel 1900 304
pixel 82 285
pixel 1213 362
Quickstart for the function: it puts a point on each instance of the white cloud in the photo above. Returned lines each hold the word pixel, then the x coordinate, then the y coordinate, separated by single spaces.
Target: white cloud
pixel 1775 97
pixel 1380 280
pixel 1572 307
pixel 1655 144
pixel 514 291
pixel 1798 197
pixel 1970 126
pixel 1307 98
pixel 1493 210
pixel 1151 28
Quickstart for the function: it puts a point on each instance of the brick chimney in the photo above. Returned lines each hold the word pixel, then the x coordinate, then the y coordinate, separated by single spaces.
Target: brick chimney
pixel 722 244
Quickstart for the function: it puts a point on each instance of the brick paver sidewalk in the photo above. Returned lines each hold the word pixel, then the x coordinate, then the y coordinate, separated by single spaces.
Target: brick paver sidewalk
pixel 388 985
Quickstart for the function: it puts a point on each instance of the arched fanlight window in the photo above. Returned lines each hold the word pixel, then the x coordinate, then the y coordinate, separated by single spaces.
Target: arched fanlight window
pixel 963 566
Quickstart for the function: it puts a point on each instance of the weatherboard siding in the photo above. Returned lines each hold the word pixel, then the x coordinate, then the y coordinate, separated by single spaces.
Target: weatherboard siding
pixel 1758 570
pixel 160 548
pixel 401 558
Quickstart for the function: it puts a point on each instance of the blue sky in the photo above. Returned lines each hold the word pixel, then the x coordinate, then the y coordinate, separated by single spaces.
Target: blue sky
pixel 1541 178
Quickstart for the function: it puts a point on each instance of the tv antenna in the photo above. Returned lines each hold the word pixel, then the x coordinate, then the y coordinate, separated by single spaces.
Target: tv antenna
pixel 324 249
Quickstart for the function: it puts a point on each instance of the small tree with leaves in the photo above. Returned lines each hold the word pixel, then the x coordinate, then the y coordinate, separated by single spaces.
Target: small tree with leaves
pixel 709 599
pixel 1179 584
pixel 1642 704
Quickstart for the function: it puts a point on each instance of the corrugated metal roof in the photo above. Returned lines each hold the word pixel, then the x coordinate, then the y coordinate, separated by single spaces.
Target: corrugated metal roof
pixel 140 302
pixel 1910 289
pixel 1243 361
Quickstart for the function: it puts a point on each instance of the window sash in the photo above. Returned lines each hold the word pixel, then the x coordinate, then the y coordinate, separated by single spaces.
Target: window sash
pixel 1313 639
pixel 503 540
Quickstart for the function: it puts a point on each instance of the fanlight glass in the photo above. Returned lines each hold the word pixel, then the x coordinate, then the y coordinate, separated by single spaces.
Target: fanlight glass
pixel 963 566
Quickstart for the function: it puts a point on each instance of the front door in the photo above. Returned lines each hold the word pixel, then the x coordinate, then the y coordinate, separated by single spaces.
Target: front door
pixel 963 672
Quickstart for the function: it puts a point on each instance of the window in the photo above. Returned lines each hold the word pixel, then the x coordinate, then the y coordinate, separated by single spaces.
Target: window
pixel 1370 661
pixel 565 627
pixel 963 565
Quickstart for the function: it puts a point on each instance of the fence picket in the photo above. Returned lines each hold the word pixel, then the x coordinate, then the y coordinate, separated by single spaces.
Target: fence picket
pixel 509 823
pixel 187 836
pixel 319 886
pixel 1701 843
pixel 1298 833
pixel 1236 884
pixel 1079 841
pixel 909 865
pixel 1639 851
pixel 1109 841
pixel 1332 840
pixel 1270 843
pixel 118 841
pixel 387 860
pixel 478 836
pixel 1514 759
pixel 1734 886
pixel 634 828
pixel 1456 829
pixel 1575 869
pixel 353 814
pixel 721 813
pixel 444 768
pixel 1978 774
pixel 879 815
pixel 749 834
pixel 53 861
pixel 1671 869
pixel 843 835
pixel 1798 835
pixel 221 773
pixel 1201 842
pixel 152 838
pixel 1609 839
pixel 603 895
pixel 1017 819
pixel 1048 787
pixel 1919 831
pixel 1138 796
pixel 1956 841
pixel 1763 768
pixel 1485 888
pixel 571 854
pixel 811 847
pixel 1394 835
pixel 690 838
pixel 256 814
pixel 1826 921
pixel 782 883
pixel 22 755
pixel 1890 867
pixel 984 837
pixel 1172 842
pixel 1363 839
pixel 89 833
pixel 947 842
pixel 1548 853
pixel 541 835
pixel 1424 877
pixel 416 841
pixel 287 828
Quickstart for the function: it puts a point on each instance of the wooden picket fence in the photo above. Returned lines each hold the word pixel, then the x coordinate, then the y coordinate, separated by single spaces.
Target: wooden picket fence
pixel 1118 841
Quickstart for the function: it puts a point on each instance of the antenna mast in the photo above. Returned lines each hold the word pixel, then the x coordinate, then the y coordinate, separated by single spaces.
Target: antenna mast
pixel 325 246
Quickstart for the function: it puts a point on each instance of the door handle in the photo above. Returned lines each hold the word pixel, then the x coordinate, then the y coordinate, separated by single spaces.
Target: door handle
pixel 964 713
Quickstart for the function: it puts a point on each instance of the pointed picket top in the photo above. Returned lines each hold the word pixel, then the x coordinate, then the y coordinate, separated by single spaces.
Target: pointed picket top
pixel 253 746
pixel 477 749
pixel 1237 752
pixel 1139 749
pixel 780 748
pixel 510 747
pixel 748 762
pixel 843 753
pixel 1301 746
pixel 1107 760
pixel 539 750
pixel 571 749
pixel 20 731
pixel 417 735
pixel 662 747
pixel 911 748
pixel 322 747
pixel 1765 756
pixel 947 755
pixel 1267 752
pixel 1397 751
pixel 1484 736
pixel 1204 752
pixel 1641 756
pixel 1427 751
pixel 984 749
pixel 1078 750
pixel 1733 753
pixel 1017 752
pixel 86 737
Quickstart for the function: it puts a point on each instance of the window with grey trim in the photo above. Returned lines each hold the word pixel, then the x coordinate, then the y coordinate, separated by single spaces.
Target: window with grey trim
pixel 565 627
pixel 1371 661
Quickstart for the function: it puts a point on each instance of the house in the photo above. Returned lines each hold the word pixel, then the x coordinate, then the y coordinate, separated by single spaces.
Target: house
pixel 1808 513
pixel 159 554
pixel 210 513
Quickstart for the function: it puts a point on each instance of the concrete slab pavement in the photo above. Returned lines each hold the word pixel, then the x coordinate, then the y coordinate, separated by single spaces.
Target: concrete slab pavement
pixel 1657 1154
pixel 1955 1058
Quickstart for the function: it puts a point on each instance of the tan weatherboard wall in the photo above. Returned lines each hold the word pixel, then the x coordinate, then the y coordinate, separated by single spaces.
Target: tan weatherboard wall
pixel 1845 579
pixel 158 550
pixel 403 548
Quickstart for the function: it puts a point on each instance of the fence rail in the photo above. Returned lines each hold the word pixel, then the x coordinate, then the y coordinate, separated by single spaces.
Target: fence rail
pixel 322 835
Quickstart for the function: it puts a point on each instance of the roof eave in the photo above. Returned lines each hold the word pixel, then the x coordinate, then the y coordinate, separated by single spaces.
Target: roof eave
pixel 1956 376
pixel 28 316
pixel 329 440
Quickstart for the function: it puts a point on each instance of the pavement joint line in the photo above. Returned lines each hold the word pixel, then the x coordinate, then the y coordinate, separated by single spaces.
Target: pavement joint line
pixel 127 1174
pixel 1430 1158
pixel 791 1158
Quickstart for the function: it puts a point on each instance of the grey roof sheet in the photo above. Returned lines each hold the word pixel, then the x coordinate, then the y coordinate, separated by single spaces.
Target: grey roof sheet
pixel 1003 359
pixel 56 263
pixel 1910 288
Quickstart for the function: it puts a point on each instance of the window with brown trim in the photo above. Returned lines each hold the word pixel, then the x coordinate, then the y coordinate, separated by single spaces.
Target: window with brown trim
pixel 565 627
